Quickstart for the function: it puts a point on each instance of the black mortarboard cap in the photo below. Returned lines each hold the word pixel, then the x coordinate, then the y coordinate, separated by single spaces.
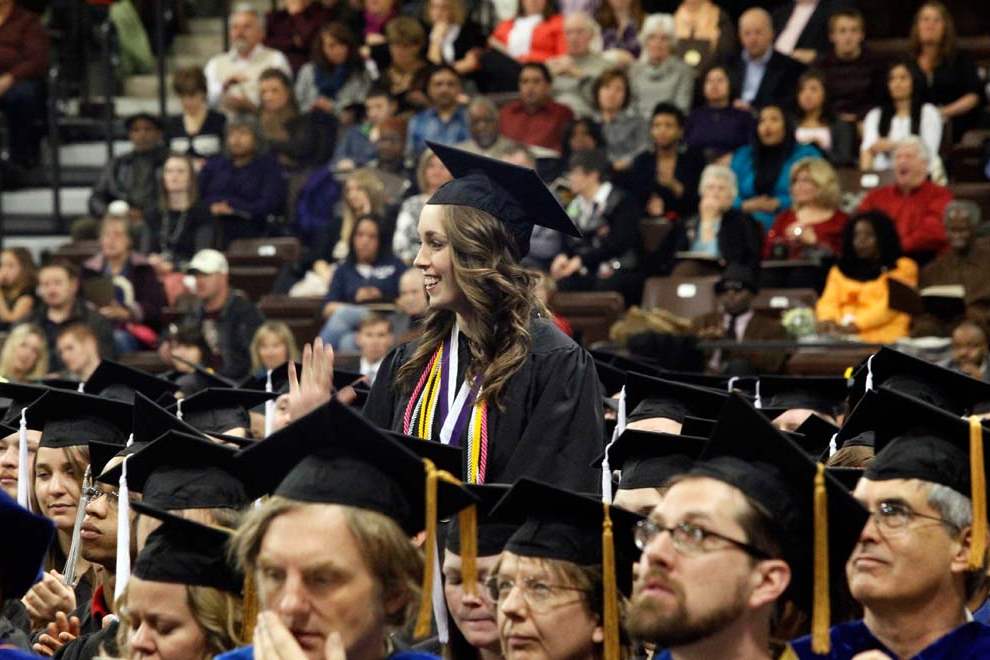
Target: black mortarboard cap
pixel 118 381
pixel 20 396
pixel 858 428
pixel 493 533
pixel 648 397
pixel 626 363
pixel 611 378
pixel 746 384
pixel 101 453
pixel 945 388
pixel 560 524
pixel 280 379
pixel 847 476
pixel 60 383
pixel 698 427
pixel 823 394
pixel 649 460
pixel 748 453
pixel 445 457
pixel 212 378
pixel 181 471
pixel 513 194
pixel 817 432
pixel 335 456
pixel 70 419
pixel 181 551
pixel 152 420
pixel 215 409
pixel 22 555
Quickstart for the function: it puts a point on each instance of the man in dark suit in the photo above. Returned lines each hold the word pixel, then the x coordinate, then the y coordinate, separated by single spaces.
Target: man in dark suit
pixel 761 74
pixel 606 257
pixel 802 26
pixel 736 320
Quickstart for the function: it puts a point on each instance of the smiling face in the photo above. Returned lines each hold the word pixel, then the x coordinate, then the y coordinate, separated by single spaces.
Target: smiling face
pixel 57 486
pixel 162 626
pixel 434 259
pixel 562 627
pixel 474 615
pixel 316 588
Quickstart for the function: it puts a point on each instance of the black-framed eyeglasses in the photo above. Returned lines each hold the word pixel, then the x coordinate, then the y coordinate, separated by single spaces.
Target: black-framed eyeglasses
pixel 690 539
pixel 539 595
pixel 894 516
pixel 94 493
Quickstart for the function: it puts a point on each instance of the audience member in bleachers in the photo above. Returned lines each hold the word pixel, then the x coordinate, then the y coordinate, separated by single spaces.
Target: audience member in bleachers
pixel 901 114
pixel 575 71
pixel 853 75
pixel 736 320
pixel 915 204
pixel 606 257
pixel 390 164
pixel 856 299
pixel 232 77
pixel 184 347
pixel 24 356
pixel 410 306
pixel 582 134
pixel 760 73
pixel 715 231
pixel 446 120
pixel 430 175
pixel 816 125
pixel 802 27
pixel 293 29
pixel 179 226
pixel 227 317
pixel 300 140
pixel 76 353
pixel 948 78
pixel 621 22
pixel 659 75
pixel 334 78
pixel 705 33
pixel 666 177
pixel 374 339
pixel 272 346
pixel 535 35
pixel 132 177
pixel 535 118
pixel 138 297
pixel 485 136
pixel 369 274
pixel 61 306
pixel 970 352
pixel 23 66
pixel 406 69
pixel 18 279
pixel 626 132
pixel 377 15
pixel 199 129
pixel 763 167
pixel 717 126
pixel 813 226
pixel 242 187
pixel 455 38
pixel 356 147
pixel 964 263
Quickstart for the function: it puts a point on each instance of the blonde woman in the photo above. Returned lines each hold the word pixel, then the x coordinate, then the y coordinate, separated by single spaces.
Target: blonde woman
pixel 814 223
pixel 25 354
pixel 272 346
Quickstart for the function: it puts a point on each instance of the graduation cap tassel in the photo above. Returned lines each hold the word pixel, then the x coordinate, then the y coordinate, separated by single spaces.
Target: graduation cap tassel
pixel 869 374
pixel 178 409
pixel 123 570
pixel 269 406
pixel 22 462
pixel 249 612
pixel 758 402
pixel 424 618
pixel 620 417
pixel 69 571
pixel 820 612
pixel 468 522
pixel 978 479
pixel 610 591
pixel 607 468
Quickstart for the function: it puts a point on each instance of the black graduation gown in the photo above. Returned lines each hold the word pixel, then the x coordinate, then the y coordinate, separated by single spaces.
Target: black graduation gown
pixel 551 425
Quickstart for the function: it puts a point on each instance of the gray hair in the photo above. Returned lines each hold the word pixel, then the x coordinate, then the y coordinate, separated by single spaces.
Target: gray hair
pixel 662 23
pixel 957 511
pixel 917 143
pixel 719 172
pixel 589 23
pixel 484 102
pixel 965 207
pixel 248 8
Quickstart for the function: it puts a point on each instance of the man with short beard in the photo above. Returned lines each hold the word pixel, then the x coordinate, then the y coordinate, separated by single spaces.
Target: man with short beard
pixel 732 541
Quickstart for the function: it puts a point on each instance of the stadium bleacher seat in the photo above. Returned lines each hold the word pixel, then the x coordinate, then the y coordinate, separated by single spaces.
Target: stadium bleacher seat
pixel 590 313
pixel 688 297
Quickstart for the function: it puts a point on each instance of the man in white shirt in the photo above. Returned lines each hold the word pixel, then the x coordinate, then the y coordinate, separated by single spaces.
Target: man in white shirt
pixel 374 339
pixel 232 77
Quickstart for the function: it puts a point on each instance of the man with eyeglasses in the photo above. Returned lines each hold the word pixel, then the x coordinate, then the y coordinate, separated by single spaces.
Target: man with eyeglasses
pixel 918 559
pixel 733 541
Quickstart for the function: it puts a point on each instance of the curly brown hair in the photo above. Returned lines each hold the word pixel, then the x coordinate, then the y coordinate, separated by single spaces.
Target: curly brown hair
pixel 502 297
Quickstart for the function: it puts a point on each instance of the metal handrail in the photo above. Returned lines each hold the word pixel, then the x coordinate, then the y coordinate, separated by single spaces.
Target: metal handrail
pixel 160 49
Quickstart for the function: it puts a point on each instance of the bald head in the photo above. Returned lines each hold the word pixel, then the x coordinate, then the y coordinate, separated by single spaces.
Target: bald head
pixel 756 32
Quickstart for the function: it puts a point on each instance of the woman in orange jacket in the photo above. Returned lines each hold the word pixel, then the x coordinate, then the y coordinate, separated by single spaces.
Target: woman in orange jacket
pixel 535 35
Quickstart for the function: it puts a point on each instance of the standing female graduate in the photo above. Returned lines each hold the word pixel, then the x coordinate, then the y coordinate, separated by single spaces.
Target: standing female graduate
pixel 491 372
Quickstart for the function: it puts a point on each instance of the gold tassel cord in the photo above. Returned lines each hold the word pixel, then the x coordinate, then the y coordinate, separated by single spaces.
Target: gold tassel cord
pixel 467 520
pixel 820 613
pixel 250 609
pixel 978 485
pixel 609 589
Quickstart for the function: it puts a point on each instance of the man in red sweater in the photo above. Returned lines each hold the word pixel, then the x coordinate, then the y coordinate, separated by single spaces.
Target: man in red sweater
pixel 915 204
pixel 535 119
pixel 23 65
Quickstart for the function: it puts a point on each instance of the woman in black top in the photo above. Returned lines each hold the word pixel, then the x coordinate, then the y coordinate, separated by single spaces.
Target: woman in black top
pixel 949 79
pixel 299 140
pixel 198 131
pixel 181 225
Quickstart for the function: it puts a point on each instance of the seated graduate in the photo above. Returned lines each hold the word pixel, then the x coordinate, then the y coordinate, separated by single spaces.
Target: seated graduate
pixel 738 543
pixel 792 400
pixel 922 555
pixel 661 406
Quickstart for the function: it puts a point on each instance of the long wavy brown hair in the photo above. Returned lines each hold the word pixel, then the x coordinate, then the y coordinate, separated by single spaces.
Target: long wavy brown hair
pixel 502 297
pixel 946 49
